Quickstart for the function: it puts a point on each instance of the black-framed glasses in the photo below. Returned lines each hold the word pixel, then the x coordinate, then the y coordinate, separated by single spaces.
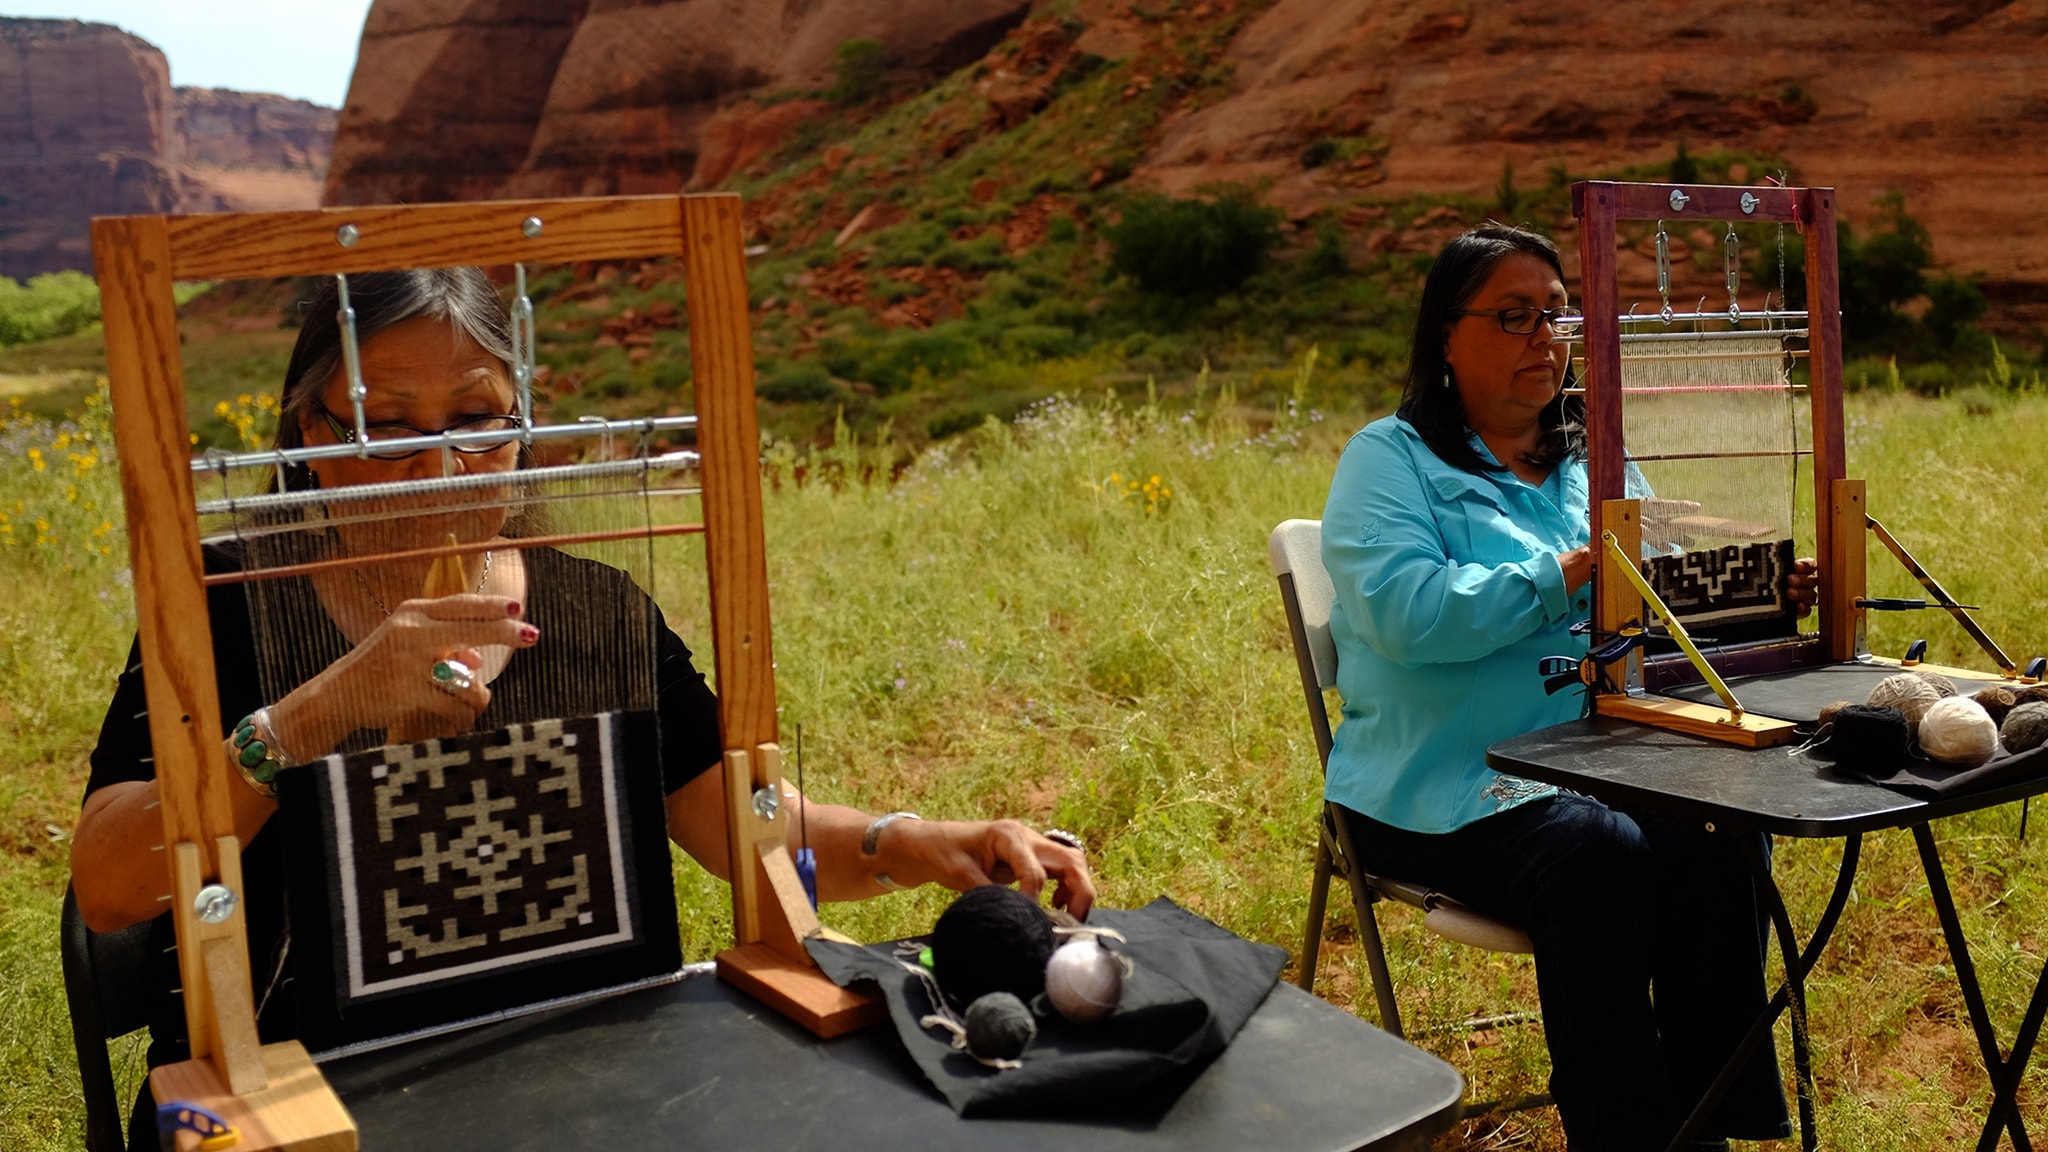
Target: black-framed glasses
pixel 507 426
pixel 1525 321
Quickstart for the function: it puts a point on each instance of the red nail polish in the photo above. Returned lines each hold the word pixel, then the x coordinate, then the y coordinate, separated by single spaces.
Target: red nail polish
pixel 512 608
pixel 529 634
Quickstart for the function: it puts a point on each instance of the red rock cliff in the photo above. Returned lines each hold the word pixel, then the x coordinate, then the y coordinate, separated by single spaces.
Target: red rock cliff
pixel 90 126
pixel 459 99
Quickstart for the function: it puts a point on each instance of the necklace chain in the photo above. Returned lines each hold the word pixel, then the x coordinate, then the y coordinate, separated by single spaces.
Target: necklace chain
pixel 358 574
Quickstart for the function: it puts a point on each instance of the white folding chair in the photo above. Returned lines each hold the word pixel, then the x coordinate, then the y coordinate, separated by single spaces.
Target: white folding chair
pixel 1296 549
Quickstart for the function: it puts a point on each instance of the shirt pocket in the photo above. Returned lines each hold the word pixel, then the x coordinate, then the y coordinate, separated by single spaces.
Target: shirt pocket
pixel 1483 533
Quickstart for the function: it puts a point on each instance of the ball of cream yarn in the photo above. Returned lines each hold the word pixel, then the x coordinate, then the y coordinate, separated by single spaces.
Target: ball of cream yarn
pixel 1906 692
pixel 1958 732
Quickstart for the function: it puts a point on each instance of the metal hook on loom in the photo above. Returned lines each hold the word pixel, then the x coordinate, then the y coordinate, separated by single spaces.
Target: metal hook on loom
pixel 1732 258
pixel 352 362
pixel 523 354
pixel 1664 271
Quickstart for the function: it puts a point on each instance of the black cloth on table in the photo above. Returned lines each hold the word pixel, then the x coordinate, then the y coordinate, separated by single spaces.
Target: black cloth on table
pixel 563 598
pixel 1192 986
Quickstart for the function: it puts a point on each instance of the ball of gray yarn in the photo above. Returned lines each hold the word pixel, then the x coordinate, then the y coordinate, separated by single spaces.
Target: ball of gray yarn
pixel 1940 683
pixel 999 1027
pixel 2025 728
pixel 1906 692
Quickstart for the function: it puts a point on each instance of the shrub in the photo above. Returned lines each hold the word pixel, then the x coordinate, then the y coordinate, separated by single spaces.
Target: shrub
pixel 796 381
pixel 50 305
pixel 1193 248
pixel 858 68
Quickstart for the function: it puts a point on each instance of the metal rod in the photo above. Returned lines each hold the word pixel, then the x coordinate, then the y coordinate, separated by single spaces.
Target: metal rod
pixel 352 362
pixel 1634 575
pixel 215 461
pixel 1644 388
pixel 245 531
pixel 514 544
pixel 1949 602
pixel 1721 455
pixel 281 501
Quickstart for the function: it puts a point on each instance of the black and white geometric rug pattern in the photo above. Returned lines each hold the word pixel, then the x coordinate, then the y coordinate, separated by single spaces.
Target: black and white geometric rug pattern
pixel 478 853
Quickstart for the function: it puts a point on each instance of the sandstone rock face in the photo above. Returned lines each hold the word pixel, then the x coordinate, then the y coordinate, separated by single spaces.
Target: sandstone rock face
pixel 84 126
pixel 90 126
pixel 1946 101
pixel 460 99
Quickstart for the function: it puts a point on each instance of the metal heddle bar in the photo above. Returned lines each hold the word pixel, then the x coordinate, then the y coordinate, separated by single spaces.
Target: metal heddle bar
pixel 215 461
pixel 280 501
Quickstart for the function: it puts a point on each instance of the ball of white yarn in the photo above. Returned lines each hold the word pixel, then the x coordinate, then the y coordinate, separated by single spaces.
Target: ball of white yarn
pixel 1958 732
pixel 1083 980
pixel 1906 692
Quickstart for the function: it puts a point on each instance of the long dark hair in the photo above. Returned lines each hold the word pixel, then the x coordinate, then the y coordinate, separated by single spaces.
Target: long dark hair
pixel 463 297
pixel 1433 408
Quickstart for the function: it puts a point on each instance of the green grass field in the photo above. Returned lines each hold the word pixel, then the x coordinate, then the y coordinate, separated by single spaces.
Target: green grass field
pixel 1070 619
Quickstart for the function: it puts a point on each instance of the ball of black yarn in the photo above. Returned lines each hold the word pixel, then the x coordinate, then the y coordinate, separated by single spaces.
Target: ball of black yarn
pixel 992 939
pixel 1870 740
pixel 1000 1027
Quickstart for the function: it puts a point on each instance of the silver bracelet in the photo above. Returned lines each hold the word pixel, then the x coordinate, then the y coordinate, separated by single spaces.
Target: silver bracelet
pixel 870 840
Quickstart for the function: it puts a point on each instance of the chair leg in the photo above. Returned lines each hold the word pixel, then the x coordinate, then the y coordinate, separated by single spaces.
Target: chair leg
pixel 1375 957
pixel 1318 901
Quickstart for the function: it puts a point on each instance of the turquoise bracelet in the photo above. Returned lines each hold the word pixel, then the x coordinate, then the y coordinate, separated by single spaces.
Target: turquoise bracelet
pixel 257 753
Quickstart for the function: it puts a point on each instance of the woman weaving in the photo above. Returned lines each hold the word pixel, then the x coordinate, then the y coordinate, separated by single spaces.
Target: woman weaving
pixel 1456 535
pixel 435 350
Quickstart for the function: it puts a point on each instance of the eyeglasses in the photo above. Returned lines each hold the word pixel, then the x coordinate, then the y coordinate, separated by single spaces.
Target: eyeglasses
pixel 509 426
pixel 1525 321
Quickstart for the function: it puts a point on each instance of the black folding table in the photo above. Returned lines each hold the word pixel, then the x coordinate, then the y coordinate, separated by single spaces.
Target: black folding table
pixel 697 1064
pixel 1783 793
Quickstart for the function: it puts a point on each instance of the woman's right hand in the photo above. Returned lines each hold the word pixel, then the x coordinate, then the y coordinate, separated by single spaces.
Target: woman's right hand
pixel 387 680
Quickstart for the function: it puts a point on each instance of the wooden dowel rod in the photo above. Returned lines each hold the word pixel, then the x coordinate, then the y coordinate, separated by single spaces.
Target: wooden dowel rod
pixel 511 545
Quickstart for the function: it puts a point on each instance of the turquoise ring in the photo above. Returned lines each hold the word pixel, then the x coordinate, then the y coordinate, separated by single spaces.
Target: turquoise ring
pixel 453 676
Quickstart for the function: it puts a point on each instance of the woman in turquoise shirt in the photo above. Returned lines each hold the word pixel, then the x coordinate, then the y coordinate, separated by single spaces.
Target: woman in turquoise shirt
pixel 1457 536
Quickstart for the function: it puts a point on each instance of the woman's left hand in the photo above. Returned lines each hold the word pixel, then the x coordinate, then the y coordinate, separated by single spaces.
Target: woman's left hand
pixel 963 855
pixel 1802 584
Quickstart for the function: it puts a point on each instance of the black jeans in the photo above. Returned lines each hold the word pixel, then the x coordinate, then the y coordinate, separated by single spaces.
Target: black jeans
pixel 1617 905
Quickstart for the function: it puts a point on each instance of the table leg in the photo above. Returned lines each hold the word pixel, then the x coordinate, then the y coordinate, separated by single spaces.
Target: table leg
pixel 1845 881
pixel 1995 1065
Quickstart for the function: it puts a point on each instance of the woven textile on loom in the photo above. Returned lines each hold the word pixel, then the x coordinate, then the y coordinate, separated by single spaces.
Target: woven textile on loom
pixel 1716 422
pixel 475 875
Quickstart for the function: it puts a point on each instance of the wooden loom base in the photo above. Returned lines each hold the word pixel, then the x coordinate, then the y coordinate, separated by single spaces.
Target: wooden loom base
pixel 298 1111
pixel 1697 720
pixel 799 991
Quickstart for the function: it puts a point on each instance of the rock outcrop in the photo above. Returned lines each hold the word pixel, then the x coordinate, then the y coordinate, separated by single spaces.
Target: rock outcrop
pixel 1946 101
pixel 460 99
pixel 90 126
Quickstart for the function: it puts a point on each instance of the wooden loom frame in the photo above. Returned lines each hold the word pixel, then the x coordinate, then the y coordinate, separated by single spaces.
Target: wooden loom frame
pixel 1839 516
pixel 273 1093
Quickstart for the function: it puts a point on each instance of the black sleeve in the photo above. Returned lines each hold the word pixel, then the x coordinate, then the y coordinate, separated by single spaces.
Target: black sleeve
pixel 123 753
pixel 690 741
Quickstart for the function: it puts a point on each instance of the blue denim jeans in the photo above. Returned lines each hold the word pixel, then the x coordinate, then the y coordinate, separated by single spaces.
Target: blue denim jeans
pixel 1650 945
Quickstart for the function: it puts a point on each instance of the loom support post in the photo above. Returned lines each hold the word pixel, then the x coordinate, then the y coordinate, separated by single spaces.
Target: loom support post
pixel 1941 596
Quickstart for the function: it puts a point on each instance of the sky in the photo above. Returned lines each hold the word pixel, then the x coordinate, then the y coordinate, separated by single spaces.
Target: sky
pixel 300 48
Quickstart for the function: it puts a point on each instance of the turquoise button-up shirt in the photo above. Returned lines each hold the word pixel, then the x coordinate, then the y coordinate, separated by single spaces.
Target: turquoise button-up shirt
pixel 1449 592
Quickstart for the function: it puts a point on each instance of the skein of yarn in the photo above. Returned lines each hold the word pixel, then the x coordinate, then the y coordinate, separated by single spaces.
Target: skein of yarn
pixel 1870 740
pixel 1997 700
pixel 1084 980
pixel 1956 731
pixel 991 939
pixel 2025 728
pixel 1937 681
pixel 1908 693
pixel 999 1027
